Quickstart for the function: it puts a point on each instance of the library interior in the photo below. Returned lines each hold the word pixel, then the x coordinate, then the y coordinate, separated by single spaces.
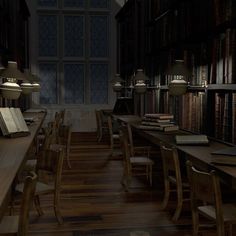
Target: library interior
pixel 118 117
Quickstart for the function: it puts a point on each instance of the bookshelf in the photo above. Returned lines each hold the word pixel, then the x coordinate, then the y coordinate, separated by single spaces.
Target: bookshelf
pixel 201 32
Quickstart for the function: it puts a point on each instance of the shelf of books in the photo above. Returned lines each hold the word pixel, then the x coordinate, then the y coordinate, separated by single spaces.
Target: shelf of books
pixel 203 34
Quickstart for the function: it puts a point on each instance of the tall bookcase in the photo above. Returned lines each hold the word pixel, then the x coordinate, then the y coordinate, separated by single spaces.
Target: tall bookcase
pixel 203 34
pixel 14 41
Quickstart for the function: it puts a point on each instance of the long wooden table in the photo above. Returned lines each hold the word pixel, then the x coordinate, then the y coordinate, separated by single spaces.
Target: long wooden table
pixel 13 153
pixel 200 155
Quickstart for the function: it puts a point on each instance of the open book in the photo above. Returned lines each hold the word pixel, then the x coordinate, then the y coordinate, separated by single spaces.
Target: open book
pixel 12 122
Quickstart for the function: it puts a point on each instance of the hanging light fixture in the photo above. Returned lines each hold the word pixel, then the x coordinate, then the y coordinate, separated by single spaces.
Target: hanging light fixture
pixel 117 83
pixel 178 86
pixel 140 85
pixel 10 89
pixel 35 83
pixel 26 86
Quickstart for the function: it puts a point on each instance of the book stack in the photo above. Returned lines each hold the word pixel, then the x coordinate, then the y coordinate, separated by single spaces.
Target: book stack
pixel 158 121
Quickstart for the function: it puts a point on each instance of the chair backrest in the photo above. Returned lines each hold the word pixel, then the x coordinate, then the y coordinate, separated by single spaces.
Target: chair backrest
pixel 28 194
pixel 51 162
pixel 123 133
pixel 206 188
pixel 170 160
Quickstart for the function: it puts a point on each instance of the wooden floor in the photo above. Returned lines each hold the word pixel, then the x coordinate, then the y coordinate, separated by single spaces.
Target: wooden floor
pixel 94 203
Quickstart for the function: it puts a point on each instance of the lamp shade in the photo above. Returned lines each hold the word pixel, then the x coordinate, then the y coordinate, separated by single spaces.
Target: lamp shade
pixel 10 89
pixel 178 86
pixel 117 83
pixel 12 72
pixel 140 85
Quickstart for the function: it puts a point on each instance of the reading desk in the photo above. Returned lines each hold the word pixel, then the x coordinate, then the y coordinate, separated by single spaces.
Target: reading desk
pixel 13 152
pixel 200 155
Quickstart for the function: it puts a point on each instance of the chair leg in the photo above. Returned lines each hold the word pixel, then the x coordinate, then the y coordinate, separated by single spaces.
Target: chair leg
pixel 228 229
pixel 166 193
pixel 68 159
pixel 195 219
pixel 150 175
pixel 37 205
pixel 179 205
pixel 57 207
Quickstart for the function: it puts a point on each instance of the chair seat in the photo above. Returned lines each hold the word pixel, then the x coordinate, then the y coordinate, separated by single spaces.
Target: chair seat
pixel 9 225
pixel 30 164
pixel 229 212
pixel 141 161
pixel 173 180
pixel 40 188
pixel 115 136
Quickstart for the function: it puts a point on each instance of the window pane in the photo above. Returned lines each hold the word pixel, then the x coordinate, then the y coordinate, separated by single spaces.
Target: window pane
pixel 99 3
pixel 74 3
pixel 47 35
pixel 99 43
pixel 99 83
pixel 74 36
pixel 74 83
pixel 47 3
pixel 48 75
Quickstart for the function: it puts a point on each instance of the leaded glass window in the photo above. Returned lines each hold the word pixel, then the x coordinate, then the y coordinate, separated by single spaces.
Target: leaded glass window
pixel 74 67
pixel 47 35
pixel 74 83
pixel 99 36
pixel 99 3
pixel 74 3
pixel 99 83
pixel 74 36
pixel 48 76
pixel 47 3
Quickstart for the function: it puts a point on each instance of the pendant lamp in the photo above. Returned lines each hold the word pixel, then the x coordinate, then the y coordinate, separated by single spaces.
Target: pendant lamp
pixel 117 83
pixel 10 89
pixel 178 86
pixel 140 85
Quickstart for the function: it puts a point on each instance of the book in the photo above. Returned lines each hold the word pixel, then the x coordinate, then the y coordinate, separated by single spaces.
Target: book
pixel 160 124
pixel 198 139
pixel 147 127
pixel 156 120
pixel 160 116
pixel 12 122
pixel 171 128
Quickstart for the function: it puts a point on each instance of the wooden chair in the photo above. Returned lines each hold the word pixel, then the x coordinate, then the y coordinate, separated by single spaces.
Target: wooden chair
pixel 18 225
pixel 172 175
pixel 49 170
pixel 136 150
pixel 206 200
pixel 133 166
pixel 65 139
pixel 114 137
pixel 101 126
